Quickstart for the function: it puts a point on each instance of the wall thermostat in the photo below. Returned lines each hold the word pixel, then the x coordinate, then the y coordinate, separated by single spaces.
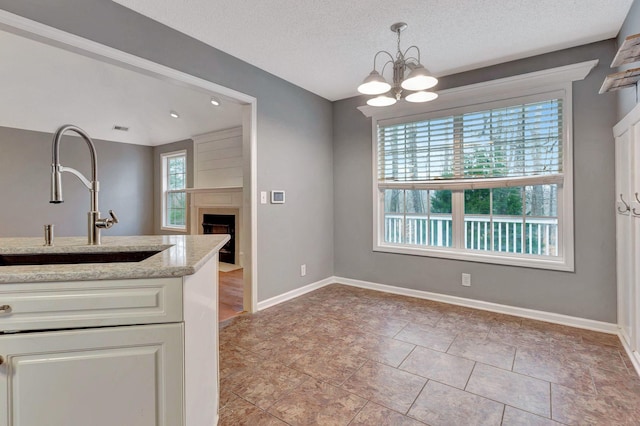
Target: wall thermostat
pixel 277 197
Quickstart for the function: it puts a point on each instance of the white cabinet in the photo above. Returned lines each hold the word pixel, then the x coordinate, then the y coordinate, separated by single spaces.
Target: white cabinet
pixel 100 377
pixel 97 353
pixel 627 206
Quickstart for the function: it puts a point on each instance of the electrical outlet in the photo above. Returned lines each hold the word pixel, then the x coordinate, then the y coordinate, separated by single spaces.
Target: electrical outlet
pixel 303 270
pixel 263 197
pixel 466 280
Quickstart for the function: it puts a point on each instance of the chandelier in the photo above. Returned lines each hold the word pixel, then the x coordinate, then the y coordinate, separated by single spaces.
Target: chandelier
pixel 416 82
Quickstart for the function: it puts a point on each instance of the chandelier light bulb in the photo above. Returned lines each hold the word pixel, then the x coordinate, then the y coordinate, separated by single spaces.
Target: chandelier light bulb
pixel 421 96
pixel 381 101
pixel 419 79
pixel 374 84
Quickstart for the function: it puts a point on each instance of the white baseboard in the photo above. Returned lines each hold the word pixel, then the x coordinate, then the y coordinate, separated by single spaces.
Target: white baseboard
pixel 577 322
pixel 294 293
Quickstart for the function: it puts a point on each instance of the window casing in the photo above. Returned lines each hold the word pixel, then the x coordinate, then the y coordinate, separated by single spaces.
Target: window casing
pixel 489 182
pixel 174 196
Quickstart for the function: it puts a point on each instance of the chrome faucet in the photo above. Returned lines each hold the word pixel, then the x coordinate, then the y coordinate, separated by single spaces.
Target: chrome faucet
pixel 95 222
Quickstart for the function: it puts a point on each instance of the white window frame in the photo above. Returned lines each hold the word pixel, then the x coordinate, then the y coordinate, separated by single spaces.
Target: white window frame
pixel 539 85
pixel 164 159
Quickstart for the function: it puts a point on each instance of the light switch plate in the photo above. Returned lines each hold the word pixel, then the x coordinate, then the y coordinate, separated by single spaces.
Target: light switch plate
pixel 263 197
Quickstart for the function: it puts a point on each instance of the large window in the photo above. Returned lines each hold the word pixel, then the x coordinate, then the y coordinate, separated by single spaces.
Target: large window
pixel 485 183
pixel 174 196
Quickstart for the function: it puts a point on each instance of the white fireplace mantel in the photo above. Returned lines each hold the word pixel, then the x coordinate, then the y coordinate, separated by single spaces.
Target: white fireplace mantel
pixel 221 200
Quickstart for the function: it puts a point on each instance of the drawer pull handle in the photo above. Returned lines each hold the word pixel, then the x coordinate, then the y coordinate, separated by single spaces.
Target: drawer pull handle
pixel 5 309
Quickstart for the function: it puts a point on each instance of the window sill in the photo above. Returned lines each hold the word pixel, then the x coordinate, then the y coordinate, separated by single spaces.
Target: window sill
pixel 173 229
pixel 505 259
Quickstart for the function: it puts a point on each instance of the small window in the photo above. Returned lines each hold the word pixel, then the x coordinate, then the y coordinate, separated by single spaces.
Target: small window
pixel 174 196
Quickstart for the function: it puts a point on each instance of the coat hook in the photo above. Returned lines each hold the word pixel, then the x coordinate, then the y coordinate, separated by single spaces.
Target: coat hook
pixel 634 209
pixel 627 206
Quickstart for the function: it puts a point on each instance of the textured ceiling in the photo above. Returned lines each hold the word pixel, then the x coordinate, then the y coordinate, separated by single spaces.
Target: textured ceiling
pixel 327 46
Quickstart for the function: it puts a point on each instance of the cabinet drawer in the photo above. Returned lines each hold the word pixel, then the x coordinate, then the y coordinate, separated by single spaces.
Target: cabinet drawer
pixel 55 305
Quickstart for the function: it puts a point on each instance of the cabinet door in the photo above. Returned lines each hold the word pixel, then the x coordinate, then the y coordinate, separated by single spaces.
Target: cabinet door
pixel 100 377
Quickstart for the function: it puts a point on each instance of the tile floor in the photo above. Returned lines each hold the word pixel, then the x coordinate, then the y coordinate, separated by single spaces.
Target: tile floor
pixel 347 356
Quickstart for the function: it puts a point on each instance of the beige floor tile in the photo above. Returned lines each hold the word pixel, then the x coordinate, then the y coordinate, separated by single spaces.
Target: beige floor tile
pixel 542 365
pixel 241 413
pixel 318 403
pixel 383 349
pixel 518 335
pixel 591 355
pixel 464 323
pixel 439 366
pixel 337 327
pixel 429 337
pixel 374 414
pixel 333 365
pixel 514 417
pixel 623 387
pixel 442 405
pixel 589 336
pixel 265 384
pixel 483 350
pixel 385 385
pixel 513 389
pixel 384 326
pixel 234 360
pixel 571 407
pixel 417 314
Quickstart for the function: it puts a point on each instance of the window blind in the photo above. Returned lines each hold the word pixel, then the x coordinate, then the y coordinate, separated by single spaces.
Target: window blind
pixel 498 146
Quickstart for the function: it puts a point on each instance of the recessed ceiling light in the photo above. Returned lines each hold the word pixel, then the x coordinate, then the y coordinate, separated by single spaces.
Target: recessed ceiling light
pixel 215 101
pixel 174 114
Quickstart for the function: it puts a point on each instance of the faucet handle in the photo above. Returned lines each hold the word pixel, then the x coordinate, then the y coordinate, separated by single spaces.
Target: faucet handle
pixel 113 216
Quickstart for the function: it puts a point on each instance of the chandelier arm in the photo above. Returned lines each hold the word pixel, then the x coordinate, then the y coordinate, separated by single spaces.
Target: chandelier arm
pixel 376 57
pixel 385 66
pixel 412 47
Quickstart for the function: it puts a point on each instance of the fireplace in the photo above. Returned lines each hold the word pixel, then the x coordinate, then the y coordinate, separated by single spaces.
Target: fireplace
pixel 222 224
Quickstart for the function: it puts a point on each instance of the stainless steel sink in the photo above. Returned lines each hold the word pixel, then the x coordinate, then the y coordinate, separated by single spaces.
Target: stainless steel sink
pixel 73 258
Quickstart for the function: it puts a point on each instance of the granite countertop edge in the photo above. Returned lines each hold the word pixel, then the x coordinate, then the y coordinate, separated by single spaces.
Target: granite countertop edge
pixel 179 255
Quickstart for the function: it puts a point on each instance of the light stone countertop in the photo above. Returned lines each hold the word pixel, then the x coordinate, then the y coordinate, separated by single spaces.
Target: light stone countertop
pixel 181 255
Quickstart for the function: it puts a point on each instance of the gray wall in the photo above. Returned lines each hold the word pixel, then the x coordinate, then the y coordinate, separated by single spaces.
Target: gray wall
pixel 590 292
pixel 628 98
pixel 157 179
pixel 124 171
pixel 294 132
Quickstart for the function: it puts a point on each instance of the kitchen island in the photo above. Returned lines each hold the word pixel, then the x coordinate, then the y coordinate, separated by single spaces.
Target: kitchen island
pixel 123 342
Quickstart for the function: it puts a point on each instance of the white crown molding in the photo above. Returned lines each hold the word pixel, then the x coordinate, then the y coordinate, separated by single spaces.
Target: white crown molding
pixel 486 91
